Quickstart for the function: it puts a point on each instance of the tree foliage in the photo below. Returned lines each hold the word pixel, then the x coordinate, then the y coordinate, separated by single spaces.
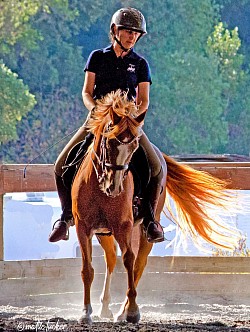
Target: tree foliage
pixel 199 60
pixel 15 102
pixel 186 101
pixel 15 25
pixel 225 45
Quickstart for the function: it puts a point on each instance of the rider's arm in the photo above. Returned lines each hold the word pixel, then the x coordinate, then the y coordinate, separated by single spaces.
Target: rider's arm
pixel 88 90
pixel 143 96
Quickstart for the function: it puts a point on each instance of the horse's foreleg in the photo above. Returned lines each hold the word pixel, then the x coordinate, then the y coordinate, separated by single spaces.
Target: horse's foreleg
pixel 87 274
pixel 109 248
pixel 140 264
pixel 142 257
pixel 129 310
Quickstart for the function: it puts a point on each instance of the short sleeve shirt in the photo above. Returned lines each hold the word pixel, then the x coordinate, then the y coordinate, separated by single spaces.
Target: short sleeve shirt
pixel 114 72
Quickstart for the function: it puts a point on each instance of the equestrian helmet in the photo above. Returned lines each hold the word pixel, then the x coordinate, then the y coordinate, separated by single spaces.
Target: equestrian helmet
pixel 130 19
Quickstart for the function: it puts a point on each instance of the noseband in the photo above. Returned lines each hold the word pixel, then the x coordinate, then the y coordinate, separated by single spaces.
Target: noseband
pixel 116 167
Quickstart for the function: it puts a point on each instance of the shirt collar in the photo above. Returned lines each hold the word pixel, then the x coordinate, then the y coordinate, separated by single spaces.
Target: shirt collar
pixel 110 49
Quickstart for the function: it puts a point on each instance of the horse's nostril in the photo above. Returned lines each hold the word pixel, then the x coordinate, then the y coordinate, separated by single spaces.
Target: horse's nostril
pixel 109 191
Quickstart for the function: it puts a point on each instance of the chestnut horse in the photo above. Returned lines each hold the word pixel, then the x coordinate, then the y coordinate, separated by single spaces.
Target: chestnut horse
pixel 102 199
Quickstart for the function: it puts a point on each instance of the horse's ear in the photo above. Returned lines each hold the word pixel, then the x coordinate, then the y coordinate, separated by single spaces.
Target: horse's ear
pixel 141 117
pixel 115 118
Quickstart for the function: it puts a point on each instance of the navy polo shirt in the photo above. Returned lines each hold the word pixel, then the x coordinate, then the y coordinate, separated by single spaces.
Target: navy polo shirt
pixel 112 72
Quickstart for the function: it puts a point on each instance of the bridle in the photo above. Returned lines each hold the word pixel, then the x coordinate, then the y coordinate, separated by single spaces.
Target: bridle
pixel 118 167
pixel 103 162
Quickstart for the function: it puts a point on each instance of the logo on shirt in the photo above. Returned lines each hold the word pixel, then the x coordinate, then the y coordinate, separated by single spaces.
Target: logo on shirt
pixel 131 68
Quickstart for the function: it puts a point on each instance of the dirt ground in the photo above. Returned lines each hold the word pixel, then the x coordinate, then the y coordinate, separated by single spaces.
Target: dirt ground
pixel 170 317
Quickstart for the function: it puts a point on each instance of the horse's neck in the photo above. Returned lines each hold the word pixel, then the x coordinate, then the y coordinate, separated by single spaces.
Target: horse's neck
pixel 91 165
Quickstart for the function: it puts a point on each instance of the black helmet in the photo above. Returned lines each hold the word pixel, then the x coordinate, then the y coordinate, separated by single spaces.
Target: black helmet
pixel 129 18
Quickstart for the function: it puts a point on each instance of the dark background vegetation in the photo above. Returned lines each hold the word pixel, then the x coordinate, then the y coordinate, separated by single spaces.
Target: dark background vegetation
pixel 198 50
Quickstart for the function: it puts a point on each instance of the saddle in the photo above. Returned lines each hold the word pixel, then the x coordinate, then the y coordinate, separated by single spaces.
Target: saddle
pixel 139 167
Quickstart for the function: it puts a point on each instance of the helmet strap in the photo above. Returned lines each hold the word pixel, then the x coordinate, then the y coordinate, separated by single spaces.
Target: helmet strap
pixel 120 44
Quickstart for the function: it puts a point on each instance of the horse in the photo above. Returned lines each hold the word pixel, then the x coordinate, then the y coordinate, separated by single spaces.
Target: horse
pixel 102 202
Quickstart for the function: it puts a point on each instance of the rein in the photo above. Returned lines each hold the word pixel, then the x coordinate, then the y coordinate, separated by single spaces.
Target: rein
pixel 44 151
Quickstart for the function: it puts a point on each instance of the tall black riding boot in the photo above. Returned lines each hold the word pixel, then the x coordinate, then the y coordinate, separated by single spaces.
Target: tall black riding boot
pixel 61 226
pixel 154 230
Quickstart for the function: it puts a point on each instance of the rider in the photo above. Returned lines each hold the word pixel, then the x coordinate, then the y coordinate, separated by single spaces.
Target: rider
pixel 115 67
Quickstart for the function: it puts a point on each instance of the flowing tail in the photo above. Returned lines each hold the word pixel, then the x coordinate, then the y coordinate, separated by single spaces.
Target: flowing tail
pixel 199 199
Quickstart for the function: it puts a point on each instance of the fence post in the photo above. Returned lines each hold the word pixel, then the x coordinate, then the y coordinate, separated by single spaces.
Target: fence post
pixel 1 227
pixel 1 212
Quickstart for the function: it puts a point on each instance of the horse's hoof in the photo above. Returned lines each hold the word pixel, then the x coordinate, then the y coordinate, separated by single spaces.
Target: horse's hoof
pixel 130 318
pixel 106 314
pixel 133 318
pixel 85 320
pixel 120 317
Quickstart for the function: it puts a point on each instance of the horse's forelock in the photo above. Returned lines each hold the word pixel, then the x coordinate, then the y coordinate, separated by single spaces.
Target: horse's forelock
pixel 115 102
pixel 118 103
pixel 125 123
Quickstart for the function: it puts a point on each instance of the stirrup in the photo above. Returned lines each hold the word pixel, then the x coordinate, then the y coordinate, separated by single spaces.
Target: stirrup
pixel 57 234
pixel 69 222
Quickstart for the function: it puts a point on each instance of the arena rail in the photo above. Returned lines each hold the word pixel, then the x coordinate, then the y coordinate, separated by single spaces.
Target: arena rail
pixel 167 279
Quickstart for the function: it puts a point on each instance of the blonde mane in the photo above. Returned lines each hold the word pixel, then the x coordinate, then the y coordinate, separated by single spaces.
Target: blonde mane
pixel 114 103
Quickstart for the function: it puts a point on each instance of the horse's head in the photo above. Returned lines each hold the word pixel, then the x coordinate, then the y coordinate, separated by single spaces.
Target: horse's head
pixel 117 129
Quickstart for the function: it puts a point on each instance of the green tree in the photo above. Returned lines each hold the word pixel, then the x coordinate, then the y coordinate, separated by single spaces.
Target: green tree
pixel 186 112
pixel 15 25
pixel 54 71
pixel 195 97
pixel 237 112
pixel 191 108
pixel 15 102
pixel 18 38
pixel 238 117
pixel 225 44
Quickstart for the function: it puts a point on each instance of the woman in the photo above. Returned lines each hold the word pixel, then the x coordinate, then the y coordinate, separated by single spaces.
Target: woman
pixel 109 69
